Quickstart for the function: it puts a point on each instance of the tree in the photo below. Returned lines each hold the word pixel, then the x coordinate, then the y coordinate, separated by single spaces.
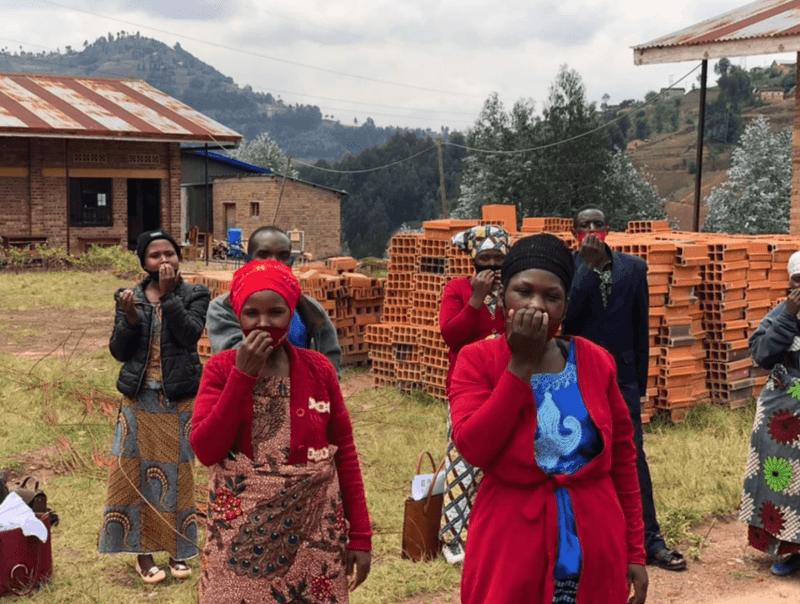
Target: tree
pixel 625 194
pixel 756 197
pixel 265 153
pixel 546 166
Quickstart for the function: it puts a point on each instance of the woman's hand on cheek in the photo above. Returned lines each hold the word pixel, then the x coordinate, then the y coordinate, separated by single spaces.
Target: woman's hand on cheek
pixel 254 351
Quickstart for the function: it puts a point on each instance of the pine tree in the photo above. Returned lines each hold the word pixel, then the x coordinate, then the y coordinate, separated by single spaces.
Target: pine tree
pixel 756 197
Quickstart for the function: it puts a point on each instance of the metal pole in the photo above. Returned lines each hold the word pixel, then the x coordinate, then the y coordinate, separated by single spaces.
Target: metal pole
pixel 280 195
pixel 700 136
pixel 206 242
pixel 441 177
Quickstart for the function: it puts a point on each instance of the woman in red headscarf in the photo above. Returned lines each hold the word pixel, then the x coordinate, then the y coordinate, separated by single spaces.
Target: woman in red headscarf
pixel 285 483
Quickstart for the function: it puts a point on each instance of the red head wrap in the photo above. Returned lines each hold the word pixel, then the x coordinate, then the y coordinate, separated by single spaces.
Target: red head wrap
pixel 260 275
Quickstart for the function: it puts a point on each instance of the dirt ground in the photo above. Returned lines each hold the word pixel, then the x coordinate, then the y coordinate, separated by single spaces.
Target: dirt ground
pixel 728 572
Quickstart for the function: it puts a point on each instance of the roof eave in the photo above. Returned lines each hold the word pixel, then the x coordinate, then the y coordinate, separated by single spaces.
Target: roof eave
pixel 220 141
pixel 715 50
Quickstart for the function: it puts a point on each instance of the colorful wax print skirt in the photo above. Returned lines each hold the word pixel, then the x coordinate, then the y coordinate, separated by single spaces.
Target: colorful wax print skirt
pixel 771 494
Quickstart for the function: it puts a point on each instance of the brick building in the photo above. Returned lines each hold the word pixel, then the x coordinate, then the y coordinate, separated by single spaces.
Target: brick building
pixel 248 202
pixel 93 160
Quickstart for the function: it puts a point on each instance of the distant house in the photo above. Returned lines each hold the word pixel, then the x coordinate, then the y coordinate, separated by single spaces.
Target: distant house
pixel 783 68
pixel 634 144
pixel 93 160
pixel 251 201
pixel 672 93
pixel 199 168
pixel 771 94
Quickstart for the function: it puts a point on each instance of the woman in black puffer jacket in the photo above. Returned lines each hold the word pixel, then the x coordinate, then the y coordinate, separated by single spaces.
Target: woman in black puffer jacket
pixel 150 506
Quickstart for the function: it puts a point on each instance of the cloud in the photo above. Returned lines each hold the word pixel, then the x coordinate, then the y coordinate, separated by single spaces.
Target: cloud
pixel 200 10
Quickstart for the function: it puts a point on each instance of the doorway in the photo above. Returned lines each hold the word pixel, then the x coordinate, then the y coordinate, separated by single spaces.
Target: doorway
pixel 144 208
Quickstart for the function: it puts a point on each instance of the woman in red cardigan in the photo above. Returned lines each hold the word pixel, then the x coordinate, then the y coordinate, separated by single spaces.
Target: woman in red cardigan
pixel 469 313
pixel 287 516
pixel 558 516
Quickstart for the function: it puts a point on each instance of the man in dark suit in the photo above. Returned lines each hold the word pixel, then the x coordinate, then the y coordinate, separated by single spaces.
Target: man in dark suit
pixel 609 305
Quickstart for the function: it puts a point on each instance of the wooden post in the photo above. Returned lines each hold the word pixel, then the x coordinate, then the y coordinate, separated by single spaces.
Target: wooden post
pixel 209 209
pixel 66 177
pixel 280 195
pixel 441 177
pixel 794 203
pixel 700 135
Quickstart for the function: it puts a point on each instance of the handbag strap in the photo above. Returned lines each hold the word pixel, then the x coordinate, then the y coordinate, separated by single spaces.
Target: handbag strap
pixel 419 461
pixel 25 480
pixel 433 483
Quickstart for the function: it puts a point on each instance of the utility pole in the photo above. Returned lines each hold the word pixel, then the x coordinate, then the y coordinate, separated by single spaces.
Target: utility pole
pixel 441 177
pixel 280 195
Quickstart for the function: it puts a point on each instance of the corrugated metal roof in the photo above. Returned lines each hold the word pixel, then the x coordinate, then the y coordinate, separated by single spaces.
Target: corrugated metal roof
pixel 224 159
pixel 760 19
pixel 81 107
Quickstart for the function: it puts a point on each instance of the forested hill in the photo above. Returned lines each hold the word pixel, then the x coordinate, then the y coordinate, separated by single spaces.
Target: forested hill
pixel 380 200
pixel 301 130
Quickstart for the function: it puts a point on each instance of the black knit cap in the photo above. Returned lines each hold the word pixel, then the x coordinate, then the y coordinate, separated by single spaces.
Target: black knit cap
pixel 543 251
pixel 149 237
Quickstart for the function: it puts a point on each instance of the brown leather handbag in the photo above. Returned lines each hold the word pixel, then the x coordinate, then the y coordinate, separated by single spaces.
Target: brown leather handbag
pixel 31 494
pixel 421 521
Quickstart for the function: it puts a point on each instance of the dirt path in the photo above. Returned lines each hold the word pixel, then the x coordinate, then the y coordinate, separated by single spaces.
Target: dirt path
pixel 728 572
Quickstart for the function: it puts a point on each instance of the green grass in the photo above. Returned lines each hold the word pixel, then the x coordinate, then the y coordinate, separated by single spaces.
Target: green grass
pixel 70 290
pixel 697 466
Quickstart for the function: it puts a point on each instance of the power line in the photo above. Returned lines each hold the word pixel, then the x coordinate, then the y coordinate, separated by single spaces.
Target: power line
pixel 262 56
pixel 400 161
pixel 503 152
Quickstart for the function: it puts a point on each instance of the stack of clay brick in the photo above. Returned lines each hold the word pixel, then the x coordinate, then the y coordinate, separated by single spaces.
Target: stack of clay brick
pixel 406 348
pixel 707 295
pixel 352 300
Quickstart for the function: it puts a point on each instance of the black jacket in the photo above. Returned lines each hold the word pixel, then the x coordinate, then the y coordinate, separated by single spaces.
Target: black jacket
pixel 624 327
pixel 183 318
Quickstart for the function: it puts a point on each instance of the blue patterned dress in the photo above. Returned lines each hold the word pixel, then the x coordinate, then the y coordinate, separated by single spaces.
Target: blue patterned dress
pixel 566 440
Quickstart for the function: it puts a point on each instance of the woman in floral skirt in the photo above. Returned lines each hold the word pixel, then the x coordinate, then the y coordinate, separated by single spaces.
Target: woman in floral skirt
pixel 770 504
pixel 150 506
pixel 287 517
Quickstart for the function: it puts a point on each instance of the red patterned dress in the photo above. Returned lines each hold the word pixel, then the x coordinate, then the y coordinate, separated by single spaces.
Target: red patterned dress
pixel 275 532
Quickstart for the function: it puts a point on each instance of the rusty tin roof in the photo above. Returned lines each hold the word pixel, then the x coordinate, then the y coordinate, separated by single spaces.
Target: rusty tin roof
pixel 84 107
pixel 761 27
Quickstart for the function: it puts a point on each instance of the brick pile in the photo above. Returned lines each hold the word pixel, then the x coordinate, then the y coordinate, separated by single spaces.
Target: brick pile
pixel 708 294
pixel 352 301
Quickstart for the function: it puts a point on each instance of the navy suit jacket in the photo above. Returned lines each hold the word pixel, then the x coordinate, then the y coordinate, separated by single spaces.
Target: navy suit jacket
pixel 623 328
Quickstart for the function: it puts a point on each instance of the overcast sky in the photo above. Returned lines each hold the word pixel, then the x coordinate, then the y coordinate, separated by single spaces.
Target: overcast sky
pixel 415 63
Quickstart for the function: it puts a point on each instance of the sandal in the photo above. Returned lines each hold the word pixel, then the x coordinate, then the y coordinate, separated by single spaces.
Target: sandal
pixel 179 569
pixel 786 566
pixel 153 575
pixel 668 559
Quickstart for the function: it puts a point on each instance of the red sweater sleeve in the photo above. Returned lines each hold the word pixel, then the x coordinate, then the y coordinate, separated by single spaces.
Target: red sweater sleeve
pixel 340 433
pixel 623 469
pixel 221 407
pixel 458 321
pixel 484 414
